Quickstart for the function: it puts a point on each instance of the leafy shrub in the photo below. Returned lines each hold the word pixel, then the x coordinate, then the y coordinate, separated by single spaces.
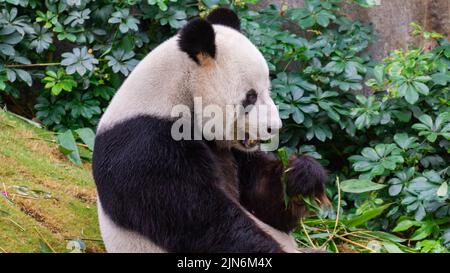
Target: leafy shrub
pixel 390 146
pixel 76 53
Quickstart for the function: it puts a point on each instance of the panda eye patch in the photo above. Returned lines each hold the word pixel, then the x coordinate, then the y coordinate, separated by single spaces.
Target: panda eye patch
pixel 250 98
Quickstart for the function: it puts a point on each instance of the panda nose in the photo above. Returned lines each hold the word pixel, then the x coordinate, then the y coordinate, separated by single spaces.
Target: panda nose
pixel 269 130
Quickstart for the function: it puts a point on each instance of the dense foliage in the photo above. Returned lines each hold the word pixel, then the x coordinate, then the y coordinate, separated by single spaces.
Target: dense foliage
pixel 390 147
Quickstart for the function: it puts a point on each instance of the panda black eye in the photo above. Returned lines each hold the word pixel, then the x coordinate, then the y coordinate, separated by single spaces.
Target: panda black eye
pixel 250 98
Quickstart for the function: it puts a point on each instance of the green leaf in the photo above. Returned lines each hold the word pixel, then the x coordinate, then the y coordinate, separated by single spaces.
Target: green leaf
pixel 432 137
pixel 420 213
pixel 377 170
pixel 378 72
pixel 360 121
pixel 391 247
pixel 87 136
pixel 411 96
pixel 283 156
pixel 51 73
pixel 423 78
pixel 381 149
pixel 388 164
pixel 366 216
pixel 370 153
pixel 7 49
pixel 310 108
pixel 333 114
pixel 24 76
pixel 442 118
pixel 362 166
pixel 403 140
pixel 320 134
pixel 394 190
pixel 441 78
pixel 402 89
pixel 422 233
pixel 298 116
pixel 420 127
pixel 421 88
pixel 285 160
pixel 386 236
pixel 403 116
pixel 68 146
pixel 323 18
pixel 296 92
pixel 443 190
pixel 127 44
pixel 360 186
pixel 307 22
pixel 405 225
pixel 427 120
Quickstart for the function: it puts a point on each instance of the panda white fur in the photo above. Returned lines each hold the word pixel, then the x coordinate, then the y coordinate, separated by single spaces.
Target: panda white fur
pixel 156 194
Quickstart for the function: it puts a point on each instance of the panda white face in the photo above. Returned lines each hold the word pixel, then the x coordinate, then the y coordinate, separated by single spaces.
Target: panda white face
pixel 236 75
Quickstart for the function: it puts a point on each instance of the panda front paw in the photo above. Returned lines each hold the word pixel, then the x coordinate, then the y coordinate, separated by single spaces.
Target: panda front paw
pixel 306 177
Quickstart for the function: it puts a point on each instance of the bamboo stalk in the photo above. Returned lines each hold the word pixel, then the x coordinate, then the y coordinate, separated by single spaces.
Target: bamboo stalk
pixel 307 235
pixel 84 239
pixel 30 65
pixel 354 243
pixel 44 240
pixel 53 141
pixel 16 224
pixel 338 209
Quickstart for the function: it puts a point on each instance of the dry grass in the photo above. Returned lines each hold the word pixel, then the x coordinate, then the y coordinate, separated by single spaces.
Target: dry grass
pixel 44 199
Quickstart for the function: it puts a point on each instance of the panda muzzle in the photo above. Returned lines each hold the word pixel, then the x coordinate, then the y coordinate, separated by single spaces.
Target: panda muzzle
pixel 249 143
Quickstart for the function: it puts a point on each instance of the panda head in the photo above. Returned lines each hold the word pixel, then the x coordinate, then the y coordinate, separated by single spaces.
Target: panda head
pixel 229 71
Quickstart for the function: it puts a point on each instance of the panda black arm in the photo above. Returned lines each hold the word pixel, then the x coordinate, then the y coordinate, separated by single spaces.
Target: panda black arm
pixel 261 188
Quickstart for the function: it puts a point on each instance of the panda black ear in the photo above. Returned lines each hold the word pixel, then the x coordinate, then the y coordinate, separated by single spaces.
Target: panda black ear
pixel 197 39
pixel 226 17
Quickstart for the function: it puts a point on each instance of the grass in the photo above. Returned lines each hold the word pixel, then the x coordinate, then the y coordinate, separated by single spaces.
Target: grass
pixel 45 201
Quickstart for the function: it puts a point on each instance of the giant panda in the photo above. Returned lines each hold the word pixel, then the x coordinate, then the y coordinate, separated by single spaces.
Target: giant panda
pixel 158 194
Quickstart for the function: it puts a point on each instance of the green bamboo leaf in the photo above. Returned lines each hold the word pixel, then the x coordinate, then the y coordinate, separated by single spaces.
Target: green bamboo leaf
pixel 405 225
pixel 385 236
pixel 283 156
pixel 423 232
pixel 391 247
pixel 366 216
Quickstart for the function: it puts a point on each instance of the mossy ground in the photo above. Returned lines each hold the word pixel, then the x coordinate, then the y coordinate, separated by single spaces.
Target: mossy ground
pixel 57 202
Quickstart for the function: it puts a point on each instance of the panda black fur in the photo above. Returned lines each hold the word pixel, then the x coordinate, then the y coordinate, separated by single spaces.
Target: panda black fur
pixel 156 194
